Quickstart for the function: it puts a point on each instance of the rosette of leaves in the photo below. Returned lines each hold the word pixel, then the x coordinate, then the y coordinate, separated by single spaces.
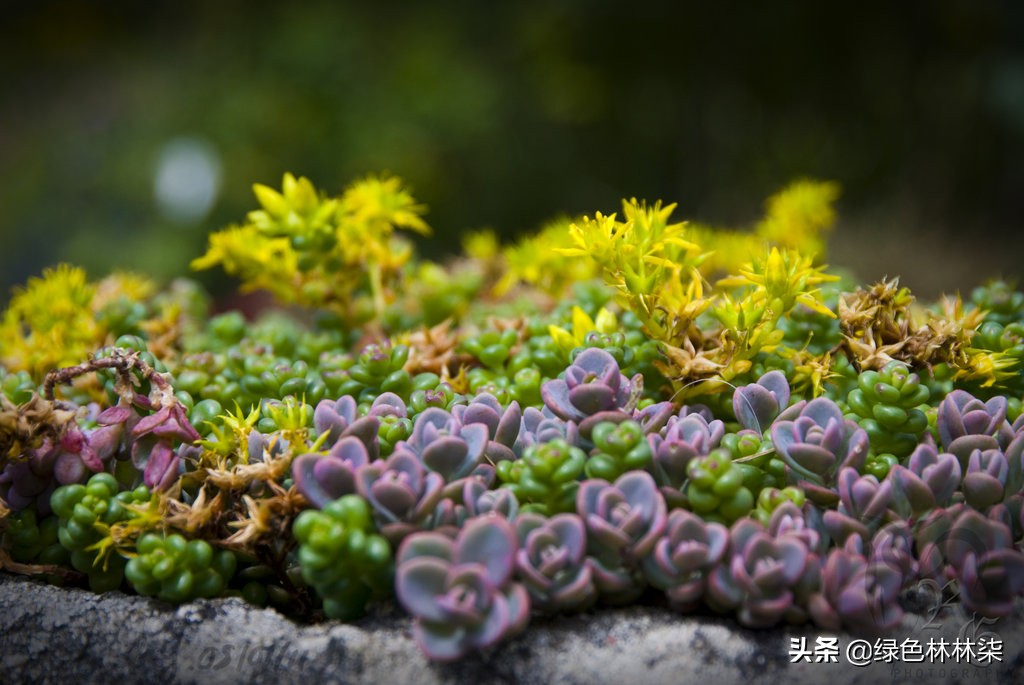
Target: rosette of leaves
pixel 476 498
pixel 803 522
pixel 624 521
pixel 886 403
pixel 177 570
pixel 928 480
pixel 401 492
pixel 394 424
pixel 685 438
pixel 378 369
pixel 546 478
pixel 965 424
pixel 992 475
pixel 323 478
pixel 762 578
pixel 461 592
pixel 684 556
pixel 988 568
pixel 592 390
pixel 863 506
pixel 342 557
pixel 552 562
pixel 86 513
pixel 816 444
pixel 503 424
pixel 618 448
pixel 857 594
pixel 537 428
pixel 340 418
pixel 757 405
pixel 893 544
pixel 445 445
pixel 717 487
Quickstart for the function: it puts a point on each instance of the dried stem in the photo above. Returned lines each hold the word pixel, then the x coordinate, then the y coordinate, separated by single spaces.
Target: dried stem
pixel 121 360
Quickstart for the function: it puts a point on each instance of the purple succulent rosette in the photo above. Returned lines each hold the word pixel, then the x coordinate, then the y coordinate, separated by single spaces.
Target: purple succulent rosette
pixel 503 424
pixel 552 562
pixel 816 444
pixel 804 523
pixel 461 592
pixel 402 493
pixel 989 569
pixel 763 578
pixel 863 506
pixel 592 390
pixel 684 556
pixel 624 522
pixel 339 418
pixel 928 480
pixel 684 439
pixel 445 445
pixel 758 404
pixel 857 594
pixel 323 478
pixel 477 499
pixel 966 424
pixel 536 428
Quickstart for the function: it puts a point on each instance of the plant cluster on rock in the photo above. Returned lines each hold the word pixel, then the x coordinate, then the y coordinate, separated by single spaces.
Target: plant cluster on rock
pixel 613 406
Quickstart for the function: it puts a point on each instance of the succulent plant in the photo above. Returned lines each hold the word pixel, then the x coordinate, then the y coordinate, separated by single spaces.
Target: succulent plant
pixel 503 424
pixel 537 428
pixel 984 482
pixel 546 479
pixel 592 390
pixel 857 594
pixel 886 403
pixel 552 562
pixel 804 522
pixel 757 405
pixel 154 440
pixel 445 445
pixel 177 570
pixel 85 513
pixel 816 444
pixel 966 424
pixel 323 478
pixel 618 447
pixel 401 492
pixel 672 449
pixel 863 506
pixel 461 592
pixel 717 487
pixel 342 557
pixel 761 577
pixel 684 556
pixel 928 480
pixel 989 569
pixel 340 418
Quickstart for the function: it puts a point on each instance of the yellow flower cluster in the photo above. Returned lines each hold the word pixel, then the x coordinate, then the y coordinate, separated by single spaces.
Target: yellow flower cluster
pixel 321 251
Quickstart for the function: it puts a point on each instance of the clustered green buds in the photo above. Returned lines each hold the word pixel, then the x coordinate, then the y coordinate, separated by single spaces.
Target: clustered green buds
pixel 177 570
pixel 342 557
pixel 717 489
pixel 546 478
pixel 886 405
pixel 86 513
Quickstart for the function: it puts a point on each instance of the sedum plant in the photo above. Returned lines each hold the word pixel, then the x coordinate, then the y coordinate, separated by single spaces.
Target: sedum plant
pixel 617 405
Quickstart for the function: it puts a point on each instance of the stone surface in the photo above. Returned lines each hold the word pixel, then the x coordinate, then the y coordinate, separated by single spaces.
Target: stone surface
pixel 54 635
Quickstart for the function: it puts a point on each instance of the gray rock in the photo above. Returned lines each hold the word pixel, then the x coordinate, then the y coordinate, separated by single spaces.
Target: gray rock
pixel 55 635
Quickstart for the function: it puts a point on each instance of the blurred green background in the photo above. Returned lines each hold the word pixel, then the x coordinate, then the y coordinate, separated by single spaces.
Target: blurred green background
pixel 130 130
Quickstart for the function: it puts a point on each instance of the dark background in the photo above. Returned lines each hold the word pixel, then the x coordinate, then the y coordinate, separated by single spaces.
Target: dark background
pixel 504 115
